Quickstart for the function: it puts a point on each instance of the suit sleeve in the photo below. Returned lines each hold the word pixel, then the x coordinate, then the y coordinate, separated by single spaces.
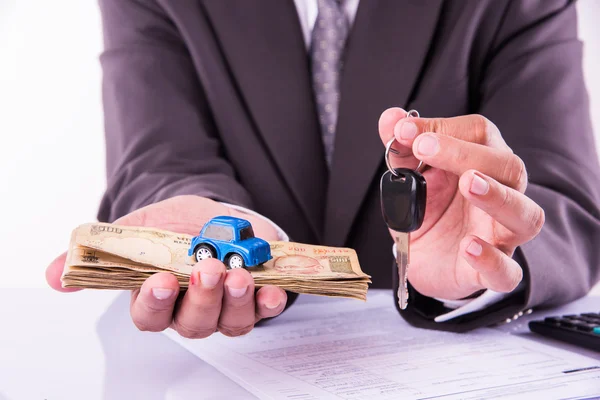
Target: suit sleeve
pixel 534 91
pixel 160 138
pixel 532 87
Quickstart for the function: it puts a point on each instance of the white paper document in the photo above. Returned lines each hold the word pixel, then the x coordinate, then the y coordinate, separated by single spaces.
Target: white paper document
pixel 345 349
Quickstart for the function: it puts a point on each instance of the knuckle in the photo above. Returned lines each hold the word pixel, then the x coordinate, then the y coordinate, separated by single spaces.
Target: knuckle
pixel 237 308
pixel 145 327
pixel 438 125
pixel 184 332
pixel 207 306
pixel 235 331
pixel 522 174
pixel 141 326
pixel 505 199
pixel 150 308
pixel 514 173
pixel 483 129
pixel 190 332
pixel 538 220
pixel 462 155
pixel 147 318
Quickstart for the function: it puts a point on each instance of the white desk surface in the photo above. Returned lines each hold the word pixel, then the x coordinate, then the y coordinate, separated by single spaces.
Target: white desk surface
pixel 84 346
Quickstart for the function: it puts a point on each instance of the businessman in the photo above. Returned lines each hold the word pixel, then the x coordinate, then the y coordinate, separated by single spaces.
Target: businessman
pixel 277 111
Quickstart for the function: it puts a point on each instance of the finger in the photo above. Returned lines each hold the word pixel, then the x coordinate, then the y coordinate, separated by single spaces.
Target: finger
pixel 470 128
pixel 198 313
pixel 270 302
pixel 387 121
pixel 237 311
pixel 495 270
pixel 457 156
pixel 152 304
pixel 517 212
pixel 183 214
pixel 54 273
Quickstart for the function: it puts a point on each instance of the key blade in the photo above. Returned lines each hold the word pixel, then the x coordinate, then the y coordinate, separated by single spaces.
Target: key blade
pixel 402 260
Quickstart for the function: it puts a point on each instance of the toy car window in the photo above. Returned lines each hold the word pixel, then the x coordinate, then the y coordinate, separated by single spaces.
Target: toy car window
pixel 217 232
pixel 246 233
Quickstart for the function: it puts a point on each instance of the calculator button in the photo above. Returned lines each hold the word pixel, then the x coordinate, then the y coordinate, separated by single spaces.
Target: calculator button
pixel 552 320
pixel 582 326
pixel 593 315
pixel 596 330
pixel 567 323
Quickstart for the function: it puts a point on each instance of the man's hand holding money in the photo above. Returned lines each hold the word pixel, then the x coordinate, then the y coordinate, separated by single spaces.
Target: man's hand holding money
pixel 216 299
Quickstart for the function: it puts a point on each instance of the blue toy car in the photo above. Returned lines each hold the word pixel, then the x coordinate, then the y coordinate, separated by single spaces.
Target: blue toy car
pixel 232 241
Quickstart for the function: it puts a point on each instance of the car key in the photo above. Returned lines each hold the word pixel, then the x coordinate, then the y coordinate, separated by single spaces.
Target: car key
pixel 403 198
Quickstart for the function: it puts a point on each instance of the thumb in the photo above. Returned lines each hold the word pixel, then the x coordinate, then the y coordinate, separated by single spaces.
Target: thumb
pixel 183 214
pixel 387 125
pixel 54 272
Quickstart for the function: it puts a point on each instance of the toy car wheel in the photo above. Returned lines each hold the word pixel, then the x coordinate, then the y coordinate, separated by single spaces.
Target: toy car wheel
pixel 203 252
pixel 235 261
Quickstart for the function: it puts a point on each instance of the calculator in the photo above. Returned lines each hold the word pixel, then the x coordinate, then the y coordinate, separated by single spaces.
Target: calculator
pixel 580 330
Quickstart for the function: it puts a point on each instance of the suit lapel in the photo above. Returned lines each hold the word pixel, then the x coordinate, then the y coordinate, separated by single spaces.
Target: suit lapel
pixel 263 44
pixel 383 58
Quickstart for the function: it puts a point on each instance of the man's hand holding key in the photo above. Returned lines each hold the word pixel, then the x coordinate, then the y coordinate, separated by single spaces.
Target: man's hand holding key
pixel 476 211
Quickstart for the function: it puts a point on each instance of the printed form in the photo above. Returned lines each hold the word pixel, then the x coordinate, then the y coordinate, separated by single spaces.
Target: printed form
pixel 345 349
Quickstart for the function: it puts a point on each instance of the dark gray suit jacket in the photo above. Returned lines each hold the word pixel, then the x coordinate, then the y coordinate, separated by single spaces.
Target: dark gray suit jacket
pixel 214 98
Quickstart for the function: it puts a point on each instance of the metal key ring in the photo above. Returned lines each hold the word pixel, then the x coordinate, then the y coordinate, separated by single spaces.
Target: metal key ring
pixel 411 113
pixel 388 149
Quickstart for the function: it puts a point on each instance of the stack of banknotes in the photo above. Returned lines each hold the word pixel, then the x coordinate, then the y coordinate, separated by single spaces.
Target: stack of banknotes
pixel 106 256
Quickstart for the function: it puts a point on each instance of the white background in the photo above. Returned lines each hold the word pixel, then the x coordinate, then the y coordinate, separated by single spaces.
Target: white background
pixel 51 129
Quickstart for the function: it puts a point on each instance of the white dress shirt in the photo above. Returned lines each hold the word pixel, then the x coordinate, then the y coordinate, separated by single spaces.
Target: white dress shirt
pixel 309 9
pixel 307 14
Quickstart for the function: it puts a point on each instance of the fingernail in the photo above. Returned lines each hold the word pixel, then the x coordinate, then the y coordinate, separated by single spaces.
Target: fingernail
pixel 237 292
pixel 272 306
pixel 408 130
pixel 162 294
pixel 479 186
pixel 428 145
pixel 474 249
pixel 209 281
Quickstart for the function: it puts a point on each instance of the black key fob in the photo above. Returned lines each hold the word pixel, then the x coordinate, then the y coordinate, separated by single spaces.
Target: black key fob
pixel 403 199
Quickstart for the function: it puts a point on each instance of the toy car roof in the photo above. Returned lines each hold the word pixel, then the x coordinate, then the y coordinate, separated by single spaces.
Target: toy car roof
pixel 238 223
